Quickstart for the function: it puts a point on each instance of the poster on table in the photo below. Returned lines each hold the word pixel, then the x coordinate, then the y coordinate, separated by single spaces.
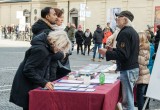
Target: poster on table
pixel 156 17
pixel 111 16
pixel 153 86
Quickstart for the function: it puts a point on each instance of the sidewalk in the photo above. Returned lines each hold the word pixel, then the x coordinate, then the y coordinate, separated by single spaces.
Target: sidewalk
pixel 12 43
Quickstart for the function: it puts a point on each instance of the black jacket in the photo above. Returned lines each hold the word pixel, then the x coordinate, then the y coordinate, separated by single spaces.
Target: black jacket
pixel 39 27
pixel 98 36
pixel 32 72
pixel 79 37
pixel 127 49
pixel 87 40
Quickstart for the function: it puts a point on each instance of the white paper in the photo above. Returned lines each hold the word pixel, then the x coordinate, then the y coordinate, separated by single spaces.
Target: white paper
pixel 66 85
pixel 90 90
pixel 96 81
pixel 73 89
pixel 62 88
pixel 70 81
pixel 91 86
pixel 83 86
pixel 81 89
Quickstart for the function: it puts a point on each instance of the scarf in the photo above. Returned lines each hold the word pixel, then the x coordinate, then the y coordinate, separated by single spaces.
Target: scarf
pixel 87 34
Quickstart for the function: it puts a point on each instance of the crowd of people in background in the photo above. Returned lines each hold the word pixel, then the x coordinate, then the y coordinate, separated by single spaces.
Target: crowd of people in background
pixel 133 52
pixel 13 32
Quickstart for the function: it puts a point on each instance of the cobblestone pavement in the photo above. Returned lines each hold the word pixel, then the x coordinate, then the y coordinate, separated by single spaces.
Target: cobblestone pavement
pixel 12 53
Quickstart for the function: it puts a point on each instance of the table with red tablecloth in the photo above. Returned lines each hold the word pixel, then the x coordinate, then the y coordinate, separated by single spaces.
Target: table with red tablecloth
pixel 105 97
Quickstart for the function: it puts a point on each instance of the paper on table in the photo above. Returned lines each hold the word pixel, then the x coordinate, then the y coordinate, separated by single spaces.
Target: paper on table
pixel 73 89
pixel 83 86
pixel 90 90
pixel 62 88
pixel 111 81
pixel 91 86
pixel 81 89
pixel 71 81
pixel 66 85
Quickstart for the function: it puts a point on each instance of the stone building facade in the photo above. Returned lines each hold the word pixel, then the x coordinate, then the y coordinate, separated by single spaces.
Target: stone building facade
pixel 99 11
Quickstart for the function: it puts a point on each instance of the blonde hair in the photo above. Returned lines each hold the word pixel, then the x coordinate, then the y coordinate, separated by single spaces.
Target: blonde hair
pixel 59 41
pixel 142 38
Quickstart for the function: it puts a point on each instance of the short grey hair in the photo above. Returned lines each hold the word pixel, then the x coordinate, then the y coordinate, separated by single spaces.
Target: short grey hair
pixel 129 23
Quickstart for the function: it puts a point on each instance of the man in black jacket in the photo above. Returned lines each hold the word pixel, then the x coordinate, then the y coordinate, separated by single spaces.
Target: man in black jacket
pixel 126 55
pixel 97 37
pixel 45 24
pixel 48 18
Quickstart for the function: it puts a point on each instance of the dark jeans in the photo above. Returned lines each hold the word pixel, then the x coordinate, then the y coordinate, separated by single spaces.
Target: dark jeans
pixel 79 45
pixel 85 48
pixel 95 50
pixel 141 91
pixel 72 45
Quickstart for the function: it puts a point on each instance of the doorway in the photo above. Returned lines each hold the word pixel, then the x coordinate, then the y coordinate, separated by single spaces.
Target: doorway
pixel 74 16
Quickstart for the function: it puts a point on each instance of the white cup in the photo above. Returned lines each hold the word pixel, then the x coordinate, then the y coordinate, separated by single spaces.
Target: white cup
pixel 86 80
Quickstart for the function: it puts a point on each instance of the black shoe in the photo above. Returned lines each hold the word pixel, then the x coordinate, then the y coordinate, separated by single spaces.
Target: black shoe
pixel 102 57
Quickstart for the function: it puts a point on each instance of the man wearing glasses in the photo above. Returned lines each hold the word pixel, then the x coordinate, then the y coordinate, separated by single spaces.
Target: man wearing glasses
pixel 126 55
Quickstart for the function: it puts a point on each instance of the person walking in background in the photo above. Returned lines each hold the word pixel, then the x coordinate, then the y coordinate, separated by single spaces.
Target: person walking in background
pixel 48 18
pixel 108 26
pixel 87 40
pixel 144 74
pixel 79 39
pixel 111 41
pixel 97 37
pixel 67 27
pixel 107 34
pixel 34 71
pixel 71 34
pixel 126 55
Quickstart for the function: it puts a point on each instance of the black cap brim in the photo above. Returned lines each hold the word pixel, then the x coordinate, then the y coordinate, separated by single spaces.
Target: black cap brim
pixel 117 14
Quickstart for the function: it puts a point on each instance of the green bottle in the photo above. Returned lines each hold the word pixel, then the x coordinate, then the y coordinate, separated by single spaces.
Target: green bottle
pixel 102 78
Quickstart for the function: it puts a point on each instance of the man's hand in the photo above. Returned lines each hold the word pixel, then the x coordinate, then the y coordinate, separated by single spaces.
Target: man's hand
pixel 102 51
pixel 109 48
pixel 49 86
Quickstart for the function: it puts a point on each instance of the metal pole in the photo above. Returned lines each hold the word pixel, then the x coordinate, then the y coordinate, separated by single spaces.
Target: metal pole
pixel 30 21
pixel 85 16
pixel 68 11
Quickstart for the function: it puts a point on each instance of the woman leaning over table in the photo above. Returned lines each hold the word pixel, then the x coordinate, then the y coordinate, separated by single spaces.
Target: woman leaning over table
pixel 34 69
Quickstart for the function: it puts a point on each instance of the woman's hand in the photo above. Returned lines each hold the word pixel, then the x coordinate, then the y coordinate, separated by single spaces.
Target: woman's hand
pixel 49 86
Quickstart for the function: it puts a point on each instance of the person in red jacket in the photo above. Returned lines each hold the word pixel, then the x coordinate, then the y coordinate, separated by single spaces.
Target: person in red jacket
pixel 107 33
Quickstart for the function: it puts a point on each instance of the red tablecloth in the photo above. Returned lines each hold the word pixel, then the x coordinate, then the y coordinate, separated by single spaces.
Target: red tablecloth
pixel 105 97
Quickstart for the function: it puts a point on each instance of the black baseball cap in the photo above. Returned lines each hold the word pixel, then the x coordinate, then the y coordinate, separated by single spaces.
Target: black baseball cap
pixel 127 14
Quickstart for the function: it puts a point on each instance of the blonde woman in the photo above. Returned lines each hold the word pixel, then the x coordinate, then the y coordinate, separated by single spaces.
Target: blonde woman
pixel 59 41
pixel 59 66
pixel 144 73
pixel 34 71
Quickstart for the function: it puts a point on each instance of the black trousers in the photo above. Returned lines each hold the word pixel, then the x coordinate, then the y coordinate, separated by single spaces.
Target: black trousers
pixel 141 91
pixel 85 48
pixel 79 46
